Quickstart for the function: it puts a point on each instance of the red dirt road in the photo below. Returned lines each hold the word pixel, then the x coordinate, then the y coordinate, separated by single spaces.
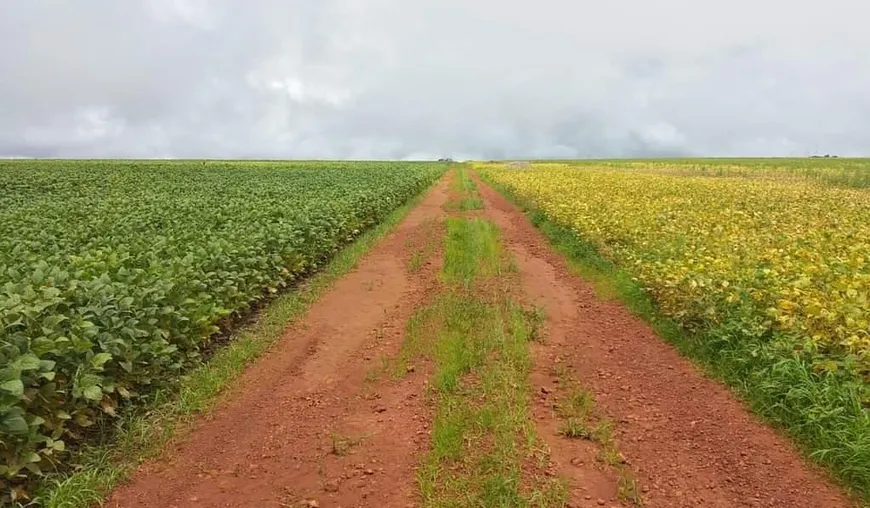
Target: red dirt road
pixel 308 423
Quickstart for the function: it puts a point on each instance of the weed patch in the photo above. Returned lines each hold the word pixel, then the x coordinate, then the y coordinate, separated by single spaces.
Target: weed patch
pixel 478 340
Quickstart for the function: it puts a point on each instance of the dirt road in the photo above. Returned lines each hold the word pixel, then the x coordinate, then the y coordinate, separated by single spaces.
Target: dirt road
pixel 316 422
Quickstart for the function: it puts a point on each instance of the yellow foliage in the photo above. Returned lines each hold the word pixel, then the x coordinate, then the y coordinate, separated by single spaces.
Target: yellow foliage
pixel 787 249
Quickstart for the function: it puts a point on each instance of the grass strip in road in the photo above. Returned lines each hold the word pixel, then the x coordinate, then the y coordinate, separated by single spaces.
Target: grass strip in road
pixel 484 445
pixel 471 199
pixel 465 192
pixel 472 250
pixel 103 466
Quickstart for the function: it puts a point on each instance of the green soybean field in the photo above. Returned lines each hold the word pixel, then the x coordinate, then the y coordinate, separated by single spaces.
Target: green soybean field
pixel 116 276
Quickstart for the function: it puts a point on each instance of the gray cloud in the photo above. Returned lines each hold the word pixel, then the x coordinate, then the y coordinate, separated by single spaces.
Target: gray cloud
pixel 429 78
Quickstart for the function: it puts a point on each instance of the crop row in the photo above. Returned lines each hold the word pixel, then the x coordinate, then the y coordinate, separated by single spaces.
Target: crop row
pixel 849 173
pixel 114 275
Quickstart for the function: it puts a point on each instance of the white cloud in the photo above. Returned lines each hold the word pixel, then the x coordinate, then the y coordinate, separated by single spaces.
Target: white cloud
pixel 96 124
pixel 461 78
pixel 197 13
pixel 664 135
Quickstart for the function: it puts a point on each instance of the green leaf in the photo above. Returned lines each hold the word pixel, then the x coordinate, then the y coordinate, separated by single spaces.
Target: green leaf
pixel 14 387
pixel 93 393
pixel 26 362
pixel 89 380
pixel 83 420
pixel 15 424
pixel 37 276
pixel 34 468
pixel 100 359
pixel 9 373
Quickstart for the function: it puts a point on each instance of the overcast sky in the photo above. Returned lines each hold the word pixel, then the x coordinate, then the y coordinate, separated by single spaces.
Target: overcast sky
pixel 432 78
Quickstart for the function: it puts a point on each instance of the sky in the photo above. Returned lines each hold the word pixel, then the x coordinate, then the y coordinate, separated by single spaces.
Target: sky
pixel 419 79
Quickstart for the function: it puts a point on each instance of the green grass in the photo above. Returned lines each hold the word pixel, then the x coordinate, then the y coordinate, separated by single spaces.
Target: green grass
pixel 575 428
pixel 102 466
pixel 478 338
pixel 464 186
pixel 627 489
pixel 467 204
pixel 577 404
pixel 472 250
pixel 463 181
pixel 416 262
pixel 823 414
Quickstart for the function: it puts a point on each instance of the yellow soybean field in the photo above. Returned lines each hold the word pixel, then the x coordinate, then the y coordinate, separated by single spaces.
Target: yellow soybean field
pixel 764 264
pixel 797 253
